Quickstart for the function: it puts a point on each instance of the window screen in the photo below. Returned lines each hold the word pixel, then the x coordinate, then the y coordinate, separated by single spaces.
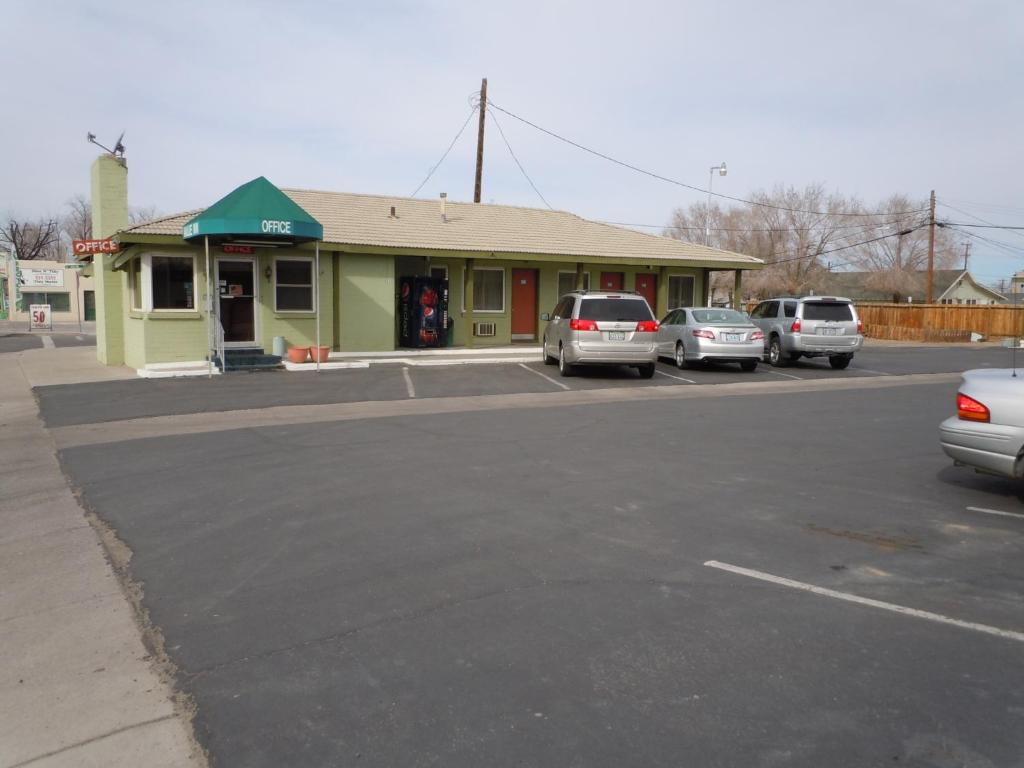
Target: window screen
pixel 173 282
pixel 680 290
pixel 59 302
pixel 294 289
pixel 567 282
pixel 489 290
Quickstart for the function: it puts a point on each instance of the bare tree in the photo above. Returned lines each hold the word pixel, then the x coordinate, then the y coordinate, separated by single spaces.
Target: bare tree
pixel 77 222
pixel 142 214
pixel 33 239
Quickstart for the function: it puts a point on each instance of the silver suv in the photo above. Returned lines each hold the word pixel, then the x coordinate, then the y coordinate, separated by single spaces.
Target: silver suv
pixel 601 328
pixel 809 327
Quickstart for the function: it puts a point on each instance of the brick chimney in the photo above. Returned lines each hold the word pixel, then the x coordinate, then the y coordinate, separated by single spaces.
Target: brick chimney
pixel 109 195
pixel 109 216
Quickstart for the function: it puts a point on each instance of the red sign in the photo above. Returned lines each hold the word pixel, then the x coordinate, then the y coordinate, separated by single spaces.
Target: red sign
pixel 86 247
pixel 248 250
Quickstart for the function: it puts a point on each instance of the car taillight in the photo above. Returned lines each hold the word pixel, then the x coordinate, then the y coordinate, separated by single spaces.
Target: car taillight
pixel 795 327
pixel 860 327
pixel 757 336
pixel 700 333
pixel 647 326
pixel 969 409
pixel 582 325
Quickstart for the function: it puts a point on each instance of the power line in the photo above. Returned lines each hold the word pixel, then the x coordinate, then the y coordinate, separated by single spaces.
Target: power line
pixel 438 165
pixel 901 233
pixel 980 226
pixel 678 183
pixel 1013 250
pixel 522 170
pixel 984 221
pixel 753 229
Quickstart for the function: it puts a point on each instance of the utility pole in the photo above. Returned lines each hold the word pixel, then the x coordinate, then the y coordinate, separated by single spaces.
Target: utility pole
pixel 967 254
pixel 931 247
pixel 480 142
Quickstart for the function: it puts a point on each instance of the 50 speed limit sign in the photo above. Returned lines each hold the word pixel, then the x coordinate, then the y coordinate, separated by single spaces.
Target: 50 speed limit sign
pixel 40 318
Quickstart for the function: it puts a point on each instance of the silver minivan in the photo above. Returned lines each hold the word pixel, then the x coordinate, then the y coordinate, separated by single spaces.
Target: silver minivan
pixel 813 326
pixel 601 328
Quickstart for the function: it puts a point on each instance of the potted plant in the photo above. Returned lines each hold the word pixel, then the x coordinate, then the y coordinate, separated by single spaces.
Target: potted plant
pixel 298 354
pixel 320 354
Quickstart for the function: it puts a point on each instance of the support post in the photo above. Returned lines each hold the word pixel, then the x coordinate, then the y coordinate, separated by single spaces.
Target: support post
pixel 468 299
pixel 705 288
pixel 211 341
pixel 662 300
pixel 480 143
pixel 580 274
pixel 931 247
pixel 316 284
pixel 737 291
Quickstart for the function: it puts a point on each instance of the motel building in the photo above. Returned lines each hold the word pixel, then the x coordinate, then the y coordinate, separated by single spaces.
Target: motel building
pixel 301 268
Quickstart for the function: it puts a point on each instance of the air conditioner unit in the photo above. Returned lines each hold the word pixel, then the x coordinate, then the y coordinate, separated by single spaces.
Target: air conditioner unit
pixel 484 329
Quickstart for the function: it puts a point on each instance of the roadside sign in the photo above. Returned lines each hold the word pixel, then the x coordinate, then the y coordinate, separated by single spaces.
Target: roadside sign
pixel 40 318
pixel 87 247
pixel 74 266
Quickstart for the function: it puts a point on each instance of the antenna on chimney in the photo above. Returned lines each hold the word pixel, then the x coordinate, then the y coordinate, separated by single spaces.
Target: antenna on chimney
pixel 117 151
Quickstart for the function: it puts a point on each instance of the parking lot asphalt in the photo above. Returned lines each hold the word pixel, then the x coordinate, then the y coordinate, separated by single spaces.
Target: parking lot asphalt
pixel 543 587
pixel 19 342
pixel 64 405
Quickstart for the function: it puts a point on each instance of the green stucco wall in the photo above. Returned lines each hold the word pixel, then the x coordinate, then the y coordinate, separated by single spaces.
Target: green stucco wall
pixel 366 302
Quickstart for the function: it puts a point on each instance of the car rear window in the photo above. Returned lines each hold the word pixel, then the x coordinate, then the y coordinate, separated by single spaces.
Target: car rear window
pixel 718 316
pixel 615 309
pixel 827 310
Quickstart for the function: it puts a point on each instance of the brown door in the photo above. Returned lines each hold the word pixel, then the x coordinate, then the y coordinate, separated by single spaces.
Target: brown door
pixel 236 281
pixel 524 304
pixel 611 281
pixel 647 286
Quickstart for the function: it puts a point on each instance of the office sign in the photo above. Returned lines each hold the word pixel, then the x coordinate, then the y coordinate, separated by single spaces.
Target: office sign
pixel 88 247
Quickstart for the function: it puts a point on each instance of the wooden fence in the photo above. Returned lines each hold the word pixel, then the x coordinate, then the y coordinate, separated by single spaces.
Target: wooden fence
pixel 940 322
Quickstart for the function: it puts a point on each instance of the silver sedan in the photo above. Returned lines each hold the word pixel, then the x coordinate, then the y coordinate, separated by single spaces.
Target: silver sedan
pixel 692 335
pixel 987 432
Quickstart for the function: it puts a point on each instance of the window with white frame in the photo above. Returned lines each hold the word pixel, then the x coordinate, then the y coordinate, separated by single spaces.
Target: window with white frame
pixel 135 283
pixel 488 289
pixel 293 284
pixel 173 282
pixel 567 282
pixel 680 291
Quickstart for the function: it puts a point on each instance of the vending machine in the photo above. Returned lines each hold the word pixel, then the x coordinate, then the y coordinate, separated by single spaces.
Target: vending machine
pixel 422 311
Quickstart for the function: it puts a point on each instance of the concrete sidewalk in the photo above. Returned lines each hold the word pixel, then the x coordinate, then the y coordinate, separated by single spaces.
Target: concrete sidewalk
pixel 77 687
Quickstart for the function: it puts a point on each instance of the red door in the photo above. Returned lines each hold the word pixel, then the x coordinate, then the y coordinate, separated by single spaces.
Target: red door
pixel 647 286
pixel 524 304
pixel 611 281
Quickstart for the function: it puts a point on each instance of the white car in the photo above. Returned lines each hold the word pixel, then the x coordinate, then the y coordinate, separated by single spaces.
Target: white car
pixel 988 431
pixel 692 335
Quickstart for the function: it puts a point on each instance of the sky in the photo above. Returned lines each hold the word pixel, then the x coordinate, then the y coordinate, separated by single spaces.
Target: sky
pixel 868 99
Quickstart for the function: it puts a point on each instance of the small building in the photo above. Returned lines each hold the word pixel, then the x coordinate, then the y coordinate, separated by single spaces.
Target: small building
pixel 949 286
pixel 66 288
pixel 314 266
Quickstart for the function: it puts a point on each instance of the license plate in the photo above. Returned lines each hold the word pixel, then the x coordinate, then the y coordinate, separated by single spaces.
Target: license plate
pixel 733 336
pixel 616 336
pixel 829 331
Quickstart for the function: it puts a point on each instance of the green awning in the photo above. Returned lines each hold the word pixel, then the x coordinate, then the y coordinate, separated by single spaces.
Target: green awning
pixel 257 210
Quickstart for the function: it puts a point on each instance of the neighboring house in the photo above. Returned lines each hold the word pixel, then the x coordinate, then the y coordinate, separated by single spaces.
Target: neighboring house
pixel 949 286
pixel 254 252
pixel 63 286
pixel 1016 294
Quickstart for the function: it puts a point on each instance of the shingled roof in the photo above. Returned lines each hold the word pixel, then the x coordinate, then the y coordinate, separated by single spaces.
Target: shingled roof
pixel 366 220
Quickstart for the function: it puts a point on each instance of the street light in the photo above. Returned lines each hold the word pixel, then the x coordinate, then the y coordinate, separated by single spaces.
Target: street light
pixel 722 170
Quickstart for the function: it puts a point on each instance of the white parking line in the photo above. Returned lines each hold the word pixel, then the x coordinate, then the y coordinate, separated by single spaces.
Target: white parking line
pixel 787 375
pixel 678 378
pixel 408 383
pixel 868 370
pixel 938 617
pixel 48 343
pixel 80 338
pixel 543 376
pixel 1018 515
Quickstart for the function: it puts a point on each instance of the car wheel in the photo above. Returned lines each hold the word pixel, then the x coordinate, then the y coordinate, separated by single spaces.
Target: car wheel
pixel 680 356
pixel 748 365
pixel 646 371
pixel 839 362
pixel 564 368
pixel 776 356
pixel 548 359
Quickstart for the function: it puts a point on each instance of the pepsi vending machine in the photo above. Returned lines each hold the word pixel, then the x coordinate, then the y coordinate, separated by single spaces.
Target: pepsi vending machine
pixel 422 311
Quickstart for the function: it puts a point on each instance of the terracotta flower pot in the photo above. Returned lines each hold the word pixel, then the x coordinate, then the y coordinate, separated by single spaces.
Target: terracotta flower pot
pixel 320 354
pixel 298 354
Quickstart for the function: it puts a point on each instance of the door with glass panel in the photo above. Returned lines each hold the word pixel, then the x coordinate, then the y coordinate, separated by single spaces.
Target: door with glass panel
pixel 236 290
